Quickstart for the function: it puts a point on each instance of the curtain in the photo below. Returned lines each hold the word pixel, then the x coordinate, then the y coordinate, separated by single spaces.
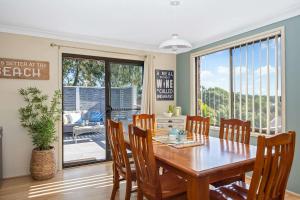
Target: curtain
pixel 148 80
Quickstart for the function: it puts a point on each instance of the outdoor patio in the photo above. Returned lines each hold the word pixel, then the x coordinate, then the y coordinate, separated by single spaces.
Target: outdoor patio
pixel 89 147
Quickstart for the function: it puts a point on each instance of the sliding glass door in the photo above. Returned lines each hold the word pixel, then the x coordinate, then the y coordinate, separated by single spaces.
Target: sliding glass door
pixel 84 138
pixel 126 90
pixel 96 89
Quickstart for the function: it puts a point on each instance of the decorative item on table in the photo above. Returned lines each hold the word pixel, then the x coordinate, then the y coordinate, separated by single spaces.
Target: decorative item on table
pixel 181 135
pixel 85 118
pixel 173 134
pixel 177 134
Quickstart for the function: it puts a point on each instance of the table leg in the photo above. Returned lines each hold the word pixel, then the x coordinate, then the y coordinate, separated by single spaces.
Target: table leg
pixel 198 188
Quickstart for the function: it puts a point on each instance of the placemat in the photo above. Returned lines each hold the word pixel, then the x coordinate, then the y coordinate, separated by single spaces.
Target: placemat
pixel 162 139
pixel 176 143
pixel 185 145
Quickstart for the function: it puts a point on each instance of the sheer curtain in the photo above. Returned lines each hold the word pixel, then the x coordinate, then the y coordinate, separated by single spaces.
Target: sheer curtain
pixel 148 91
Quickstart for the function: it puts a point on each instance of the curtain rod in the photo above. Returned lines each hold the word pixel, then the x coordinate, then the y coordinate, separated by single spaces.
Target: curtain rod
pixel 82 48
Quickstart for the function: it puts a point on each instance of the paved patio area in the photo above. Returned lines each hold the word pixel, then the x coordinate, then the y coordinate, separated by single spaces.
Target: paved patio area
pixel 89 147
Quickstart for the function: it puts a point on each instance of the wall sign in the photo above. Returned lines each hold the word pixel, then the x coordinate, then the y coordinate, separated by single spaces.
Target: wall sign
pixel 164 83
pixel 24 69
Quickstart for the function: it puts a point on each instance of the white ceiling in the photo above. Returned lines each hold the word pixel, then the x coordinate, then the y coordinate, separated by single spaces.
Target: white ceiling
pixel 140 24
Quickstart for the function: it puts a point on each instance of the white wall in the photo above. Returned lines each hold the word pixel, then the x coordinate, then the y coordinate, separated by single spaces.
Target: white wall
pixel 16 143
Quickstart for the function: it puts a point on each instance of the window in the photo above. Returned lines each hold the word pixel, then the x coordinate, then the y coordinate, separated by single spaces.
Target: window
pixel 242 81
pixel 214 86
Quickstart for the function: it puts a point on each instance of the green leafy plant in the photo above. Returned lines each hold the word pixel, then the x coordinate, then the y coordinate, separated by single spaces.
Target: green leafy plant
pixel 38 116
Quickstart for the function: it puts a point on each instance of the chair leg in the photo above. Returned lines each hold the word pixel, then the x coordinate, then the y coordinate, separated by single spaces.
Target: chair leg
pixel 128 189
pixel 139 195
pixel 243 177
pixel 116 184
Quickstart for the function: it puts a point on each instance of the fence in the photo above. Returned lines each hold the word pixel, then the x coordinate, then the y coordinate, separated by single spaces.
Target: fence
pixel 78 98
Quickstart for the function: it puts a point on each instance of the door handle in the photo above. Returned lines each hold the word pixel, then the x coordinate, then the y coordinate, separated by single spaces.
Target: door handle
pixel 108 109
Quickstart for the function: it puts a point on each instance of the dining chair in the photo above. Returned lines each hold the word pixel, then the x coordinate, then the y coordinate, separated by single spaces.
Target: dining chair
pixel 150 183
pixel 145 121
pixel 274 158
pixel 121 165
pixel 238 131
pixel 197 124
pixel 235 130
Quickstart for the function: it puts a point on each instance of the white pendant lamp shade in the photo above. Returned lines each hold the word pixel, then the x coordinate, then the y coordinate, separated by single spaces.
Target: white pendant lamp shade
pixel 175 43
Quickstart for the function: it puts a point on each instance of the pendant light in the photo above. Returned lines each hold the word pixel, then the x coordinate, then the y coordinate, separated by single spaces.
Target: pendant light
pixel 175 42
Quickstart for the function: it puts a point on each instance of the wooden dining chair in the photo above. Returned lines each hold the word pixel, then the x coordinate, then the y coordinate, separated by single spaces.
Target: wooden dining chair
pixel 274 158
pixel 121 165
pixel 235 130
pixel 238 131
pixel 197 124
pixel 150 183
pixel 144 121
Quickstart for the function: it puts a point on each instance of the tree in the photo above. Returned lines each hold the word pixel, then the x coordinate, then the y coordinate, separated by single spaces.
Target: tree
pixel 83 72
pixel 88 72
pixel 126 75
pixel 214 102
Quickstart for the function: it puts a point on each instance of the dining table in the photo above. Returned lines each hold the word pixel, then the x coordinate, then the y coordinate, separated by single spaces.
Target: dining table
pixel 211 159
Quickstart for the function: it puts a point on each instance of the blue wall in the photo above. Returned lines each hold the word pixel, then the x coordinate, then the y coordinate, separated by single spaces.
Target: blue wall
pixel 292 46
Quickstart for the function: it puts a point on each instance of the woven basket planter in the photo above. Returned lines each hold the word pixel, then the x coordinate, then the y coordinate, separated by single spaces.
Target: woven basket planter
pixel 43 164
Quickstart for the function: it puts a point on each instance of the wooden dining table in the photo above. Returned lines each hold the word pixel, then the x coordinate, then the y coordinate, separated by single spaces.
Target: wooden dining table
pixel 213 160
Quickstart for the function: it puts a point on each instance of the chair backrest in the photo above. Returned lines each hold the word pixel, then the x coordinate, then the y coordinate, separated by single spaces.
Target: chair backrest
pixel 117 144
pixel 235 130
pixel 144 121
pixel 273 163
pixel 197 124
pixel 147 173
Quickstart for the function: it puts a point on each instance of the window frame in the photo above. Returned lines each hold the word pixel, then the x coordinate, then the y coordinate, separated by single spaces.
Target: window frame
pixel 230 45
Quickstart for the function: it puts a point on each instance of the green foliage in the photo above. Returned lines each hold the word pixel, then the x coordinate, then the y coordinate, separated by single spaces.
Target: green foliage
pixel 83 72
pixel 38 117
pixel 207 111
pixel 215 102
pixel 89 72
pixel 126 75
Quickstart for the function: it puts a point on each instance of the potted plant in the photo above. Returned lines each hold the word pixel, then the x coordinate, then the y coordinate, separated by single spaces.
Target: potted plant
pixel 39 117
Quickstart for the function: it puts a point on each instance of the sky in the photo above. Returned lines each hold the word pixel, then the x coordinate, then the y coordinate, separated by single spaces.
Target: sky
pixel 215 68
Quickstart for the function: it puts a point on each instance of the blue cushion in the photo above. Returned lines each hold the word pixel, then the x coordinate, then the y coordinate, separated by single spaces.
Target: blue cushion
pixel 80 121
pixel 95 117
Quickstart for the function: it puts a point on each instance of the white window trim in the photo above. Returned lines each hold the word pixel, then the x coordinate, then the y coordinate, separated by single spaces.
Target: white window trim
pixel 279 30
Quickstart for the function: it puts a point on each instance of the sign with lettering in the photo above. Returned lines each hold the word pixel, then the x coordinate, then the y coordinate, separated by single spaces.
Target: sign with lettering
pixel 164 83
pixel 24 69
